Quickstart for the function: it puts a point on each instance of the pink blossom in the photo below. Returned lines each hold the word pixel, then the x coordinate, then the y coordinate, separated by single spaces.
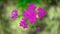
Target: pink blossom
pixel 14 14
pixel 41 12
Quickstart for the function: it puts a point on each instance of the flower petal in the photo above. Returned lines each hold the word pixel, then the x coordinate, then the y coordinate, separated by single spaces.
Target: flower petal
pixel 31 6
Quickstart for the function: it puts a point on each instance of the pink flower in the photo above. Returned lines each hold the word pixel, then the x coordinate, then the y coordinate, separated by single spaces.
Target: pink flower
pixel 23 23
pixel 41 12
pixel 30 13
pixel 14 14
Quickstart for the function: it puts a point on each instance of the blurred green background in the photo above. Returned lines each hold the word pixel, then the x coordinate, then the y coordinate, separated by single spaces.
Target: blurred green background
pixel 50 24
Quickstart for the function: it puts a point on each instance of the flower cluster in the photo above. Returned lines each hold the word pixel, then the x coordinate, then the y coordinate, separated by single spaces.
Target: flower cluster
pixel 30 14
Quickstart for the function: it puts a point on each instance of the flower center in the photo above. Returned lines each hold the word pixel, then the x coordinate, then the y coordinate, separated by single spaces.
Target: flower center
pixel 37 16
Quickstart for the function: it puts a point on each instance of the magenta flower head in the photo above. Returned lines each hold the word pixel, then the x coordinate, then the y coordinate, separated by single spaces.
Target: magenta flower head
pixel 14 14
pixel 41 12
pixel 30 14
pixel 23 23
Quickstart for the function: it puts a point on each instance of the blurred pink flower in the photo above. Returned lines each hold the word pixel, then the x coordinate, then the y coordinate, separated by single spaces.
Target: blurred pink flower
pixel 41 12
pixel 14 14
pixel 23 23
pixel 30 14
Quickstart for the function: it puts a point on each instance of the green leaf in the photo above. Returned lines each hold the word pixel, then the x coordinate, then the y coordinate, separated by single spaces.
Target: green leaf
pixel 39 1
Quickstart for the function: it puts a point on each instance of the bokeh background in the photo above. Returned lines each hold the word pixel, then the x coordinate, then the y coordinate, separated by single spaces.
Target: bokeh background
pixel 50 24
